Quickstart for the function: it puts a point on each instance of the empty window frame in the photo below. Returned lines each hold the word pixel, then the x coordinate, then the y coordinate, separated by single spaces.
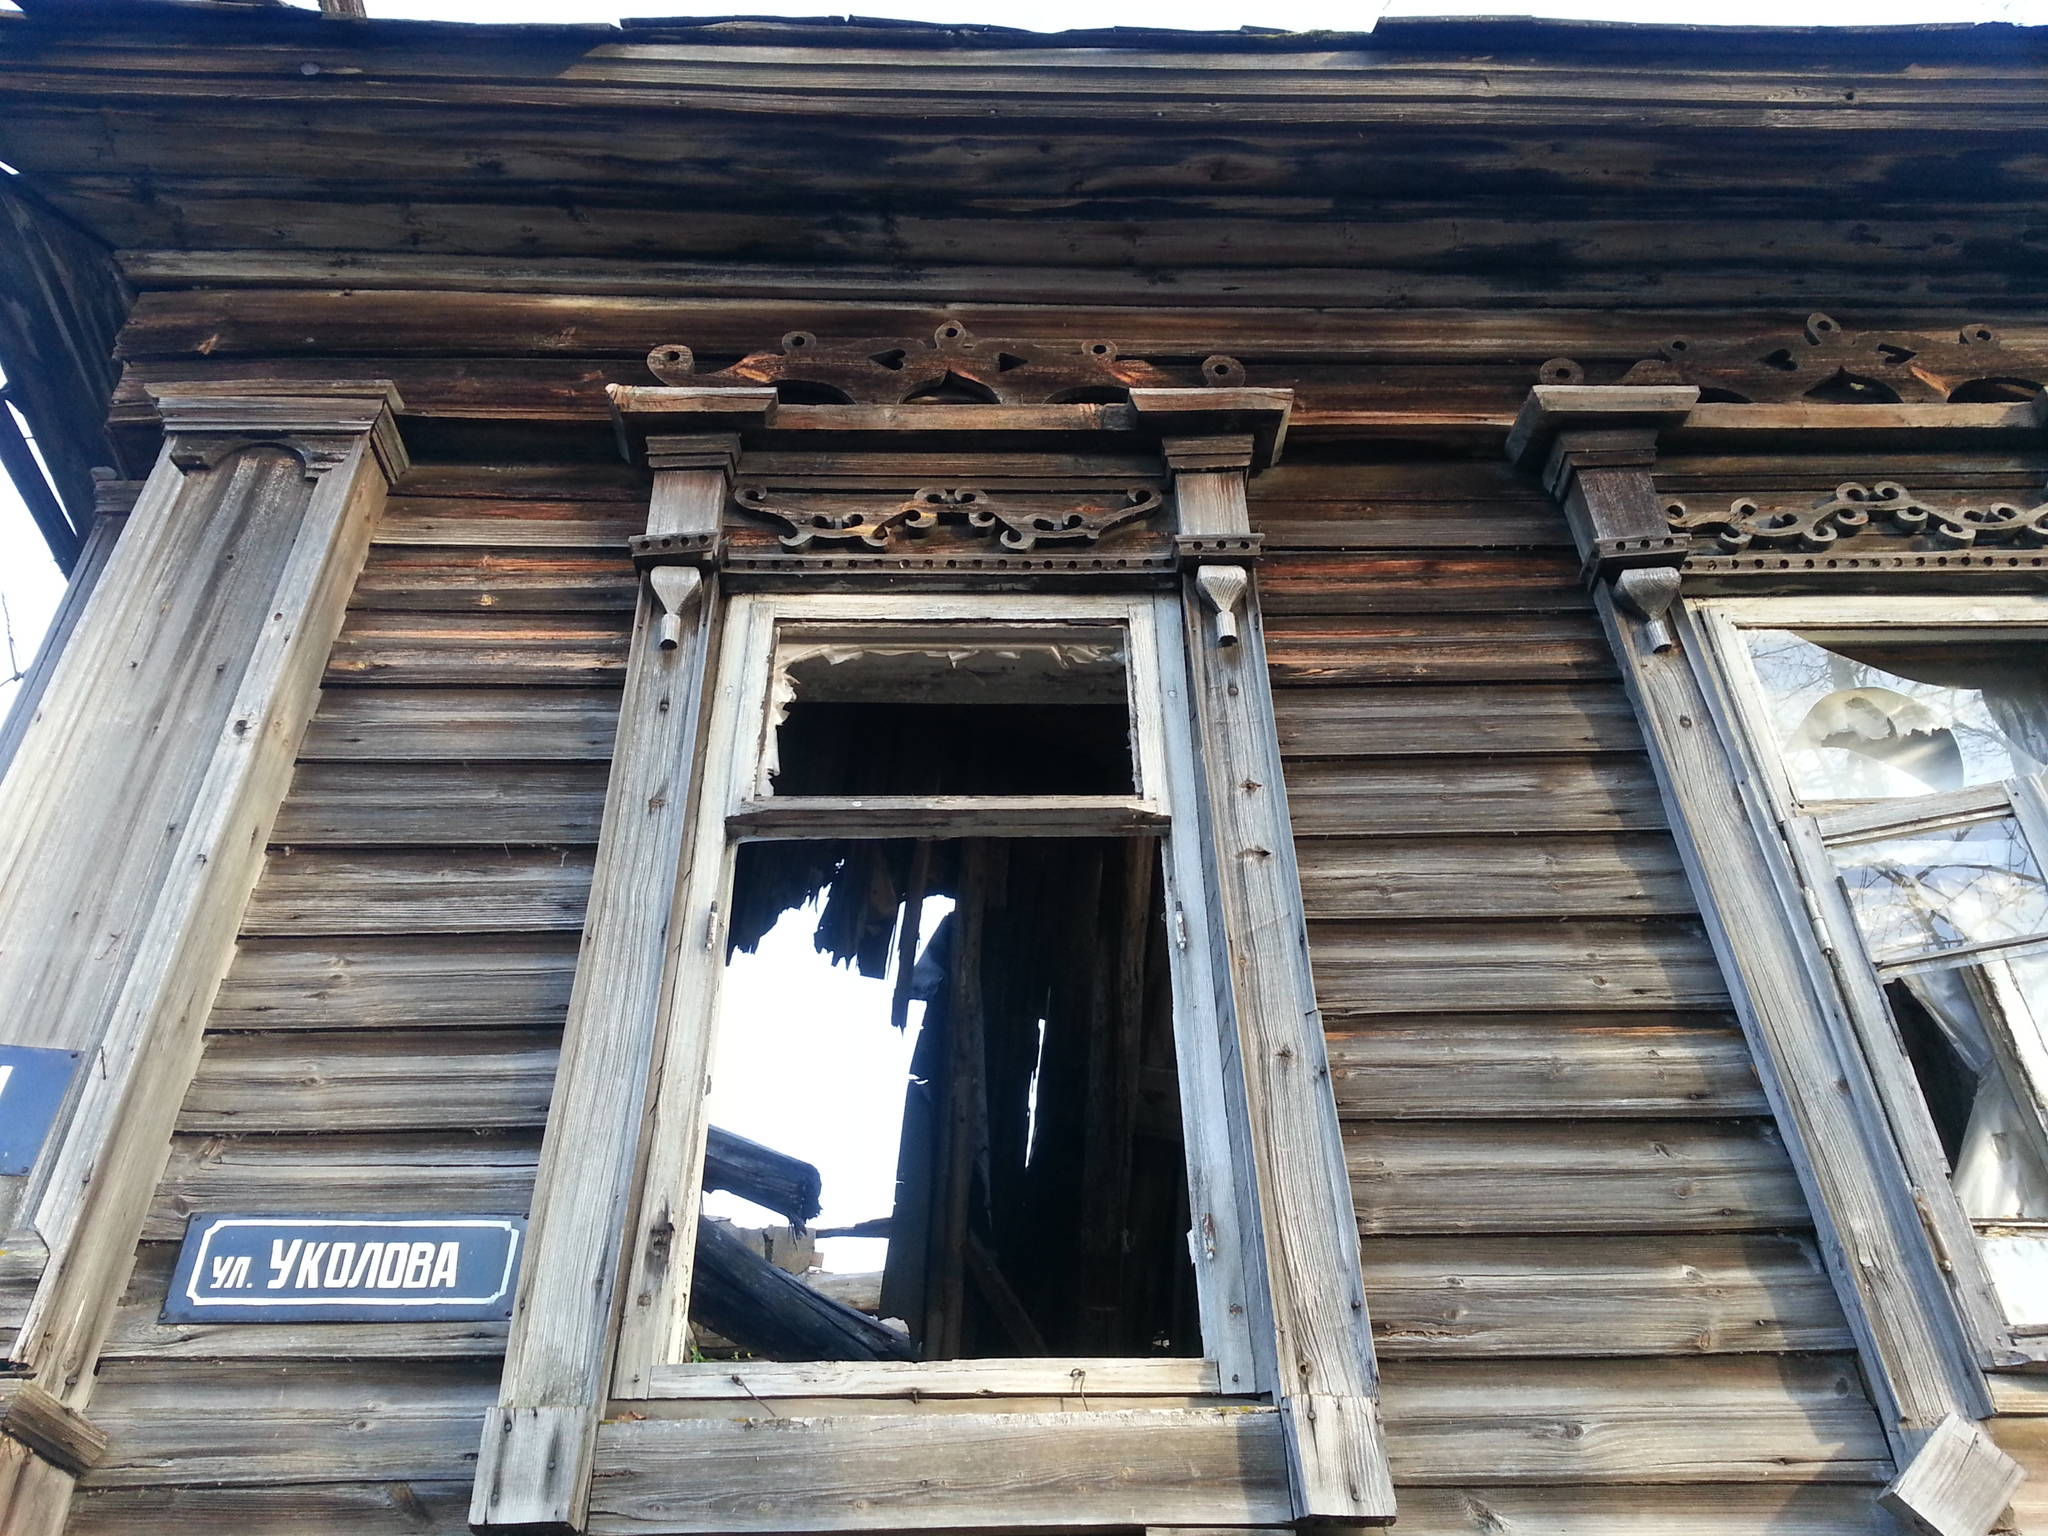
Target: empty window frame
pixel 880 750
pixel 1903 743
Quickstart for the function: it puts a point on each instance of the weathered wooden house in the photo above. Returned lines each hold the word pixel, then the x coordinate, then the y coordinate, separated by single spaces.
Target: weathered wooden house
pixel 1484 756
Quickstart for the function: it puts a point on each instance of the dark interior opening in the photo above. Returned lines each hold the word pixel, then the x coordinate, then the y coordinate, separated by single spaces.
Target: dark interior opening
pixel 954 749
pixel 1041 1204
pixel 1946 1081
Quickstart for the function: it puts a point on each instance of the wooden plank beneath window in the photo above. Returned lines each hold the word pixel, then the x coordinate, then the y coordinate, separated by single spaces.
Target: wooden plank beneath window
pixel 397 1508
pixel 1433 722
pixel 1585 875
pixel 138 1335
pixel 487 1173
pixel 1701 1509
pixel 1431 1176
pixel 399 579
pixel 1463 795
pixel 1055 1379
pixel 404 1080
pixel 407 892
pixel 926 1472
pixel 1422 967
pixel 1539 1066
pixel 442 803
pixel 472 650
pixel 1729 1418
pixel 184 1422
pixel 470 724
pixel 501 981
pixel 1633 1294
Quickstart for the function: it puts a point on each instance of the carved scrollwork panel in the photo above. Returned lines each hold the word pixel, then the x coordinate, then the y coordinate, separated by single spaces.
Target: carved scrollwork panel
pixel 1884 505
pixel 1025 519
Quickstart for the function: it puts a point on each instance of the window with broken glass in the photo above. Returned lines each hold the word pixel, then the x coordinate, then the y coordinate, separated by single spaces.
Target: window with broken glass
pixel 993 1160
pixel 1904 742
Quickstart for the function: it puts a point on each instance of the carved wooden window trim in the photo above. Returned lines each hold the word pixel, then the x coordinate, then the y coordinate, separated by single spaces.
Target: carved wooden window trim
pixel 652 1358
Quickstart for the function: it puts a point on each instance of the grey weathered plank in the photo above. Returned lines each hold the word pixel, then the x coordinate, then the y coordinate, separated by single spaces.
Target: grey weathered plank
pixel 1592 875
pixel 503 523
pixel 486 1173
pixel 442 803
pixel 1698 1509
pixel 479 649
pixel 369 982
pixel 360 1081
pixel 1536 1067
pixel 932 1471
pixel 1632 1294
pixel 415 1508
pixel 1418 967
pixel 181 1422
pixel 1726 1418
pixel 411 578
pixel 1439 647
pixel 1292 525
pixel 1407 720
pixel 363 891
pixel 1452 485
pixel 1473 584
pixel 137 1334
pixel 1415 1177
pixel 470 724
pixel 1610 793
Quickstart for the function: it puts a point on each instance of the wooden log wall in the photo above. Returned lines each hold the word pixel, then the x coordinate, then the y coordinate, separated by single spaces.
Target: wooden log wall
pixel 1591 1273
pixel 386 1040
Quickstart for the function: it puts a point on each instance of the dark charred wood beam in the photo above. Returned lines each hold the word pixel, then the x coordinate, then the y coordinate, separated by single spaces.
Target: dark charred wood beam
pixel 742 1297
pixel 786 1185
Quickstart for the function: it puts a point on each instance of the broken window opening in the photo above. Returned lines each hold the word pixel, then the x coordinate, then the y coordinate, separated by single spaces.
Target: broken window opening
pixel 1042 712
pixel 1040 1196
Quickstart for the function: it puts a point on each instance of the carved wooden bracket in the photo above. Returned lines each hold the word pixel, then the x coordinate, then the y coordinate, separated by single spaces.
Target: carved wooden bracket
pixel 1824 363
pixel 955 366
pixel 1223 588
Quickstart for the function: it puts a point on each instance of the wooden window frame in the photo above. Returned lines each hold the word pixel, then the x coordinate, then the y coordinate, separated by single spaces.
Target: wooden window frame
pixel 731 809
pixel 1859 977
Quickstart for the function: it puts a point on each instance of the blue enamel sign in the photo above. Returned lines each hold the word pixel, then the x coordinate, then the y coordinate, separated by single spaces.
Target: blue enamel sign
pixel 33 1083
pixel 346 1269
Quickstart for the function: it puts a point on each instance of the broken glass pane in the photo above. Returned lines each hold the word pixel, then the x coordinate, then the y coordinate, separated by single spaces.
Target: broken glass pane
pixel 1927 891
pixel 1865 720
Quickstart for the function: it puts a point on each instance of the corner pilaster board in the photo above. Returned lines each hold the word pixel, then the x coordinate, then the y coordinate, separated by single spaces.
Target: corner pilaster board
pixel 534 1463
pixel 1957 1485
pixel 217 609
pixel 62 1437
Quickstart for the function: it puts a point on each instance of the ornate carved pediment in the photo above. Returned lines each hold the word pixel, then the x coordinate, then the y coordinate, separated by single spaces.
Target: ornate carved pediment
pixel 1025 519
pixel 1885 509
pixel 954 367
pixel 1824 363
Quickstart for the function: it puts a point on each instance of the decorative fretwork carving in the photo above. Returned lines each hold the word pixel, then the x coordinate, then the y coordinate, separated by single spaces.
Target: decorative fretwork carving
pixel 954 367
pixel 1026 519
pixel 1823 363
pixel 1853 508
